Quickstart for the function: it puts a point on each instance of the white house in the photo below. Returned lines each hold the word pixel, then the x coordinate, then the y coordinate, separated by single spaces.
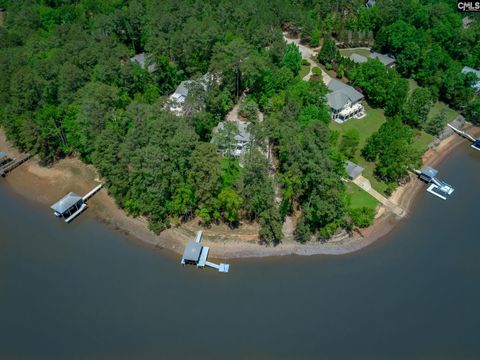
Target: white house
pixel 241 140
pixel 177 99
pixel 344 102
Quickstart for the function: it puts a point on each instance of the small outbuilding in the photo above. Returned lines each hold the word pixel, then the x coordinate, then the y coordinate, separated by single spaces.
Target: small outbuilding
pixel 353 170
pixel 428 174
pixel 69 206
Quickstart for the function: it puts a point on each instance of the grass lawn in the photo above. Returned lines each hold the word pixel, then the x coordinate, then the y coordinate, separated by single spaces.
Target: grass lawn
pixel 360 198
pixel 422 140
pixel 348 52
pixel 412 85
pixel 366 127
pixel 438 106
pixel 303 72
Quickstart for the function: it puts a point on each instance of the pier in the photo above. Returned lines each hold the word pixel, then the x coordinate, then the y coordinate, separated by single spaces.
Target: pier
pixel 72 205
pixel 475 142
pixel 437 187
pixel 196 254
pixel 7 165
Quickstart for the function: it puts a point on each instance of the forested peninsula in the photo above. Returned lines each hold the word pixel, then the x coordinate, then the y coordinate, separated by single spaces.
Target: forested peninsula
pixel 94 80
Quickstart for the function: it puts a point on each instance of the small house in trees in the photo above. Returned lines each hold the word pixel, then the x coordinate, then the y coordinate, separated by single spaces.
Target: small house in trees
pixel 344 102
pixel 387 60
pixel 241 139
pixel 467 70
pixel 177 99
pixel 370 4
pixel 353 170
pixel 143 60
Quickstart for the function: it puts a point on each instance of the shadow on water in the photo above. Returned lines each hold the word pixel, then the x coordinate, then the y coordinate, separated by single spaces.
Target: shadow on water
pixel 85 291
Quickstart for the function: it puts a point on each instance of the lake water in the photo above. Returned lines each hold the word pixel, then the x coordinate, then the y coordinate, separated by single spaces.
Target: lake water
pixel 83 291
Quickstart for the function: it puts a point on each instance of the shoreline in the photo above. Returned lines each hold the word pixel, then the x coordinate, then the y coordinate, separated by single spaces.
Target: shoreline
pixel 47 185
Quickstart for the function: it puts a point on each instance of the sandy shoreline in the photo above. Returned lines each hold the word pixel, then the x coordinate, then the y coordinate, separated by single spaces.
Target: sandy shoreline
pixel 47 185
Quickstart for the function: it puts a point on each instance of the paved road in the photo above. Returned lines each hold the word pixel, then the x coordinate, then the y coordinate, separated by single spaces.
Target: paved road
pixel 307 54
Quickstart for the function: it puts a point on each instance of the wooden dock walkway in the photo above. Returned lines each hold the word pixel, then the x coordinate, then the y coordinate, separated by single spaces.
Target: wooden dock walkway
pixel 92 192
pixel 5 169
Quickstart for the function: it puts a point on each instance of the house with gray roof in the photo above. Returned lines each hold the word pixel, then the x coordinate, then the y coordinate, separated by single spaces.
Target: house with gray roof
pixel 144 62
pixel 353 170
pixel 468 70
pixel 177 99
pixel 370 4
pixel 387 60
pixel 242 139
pixel 344 101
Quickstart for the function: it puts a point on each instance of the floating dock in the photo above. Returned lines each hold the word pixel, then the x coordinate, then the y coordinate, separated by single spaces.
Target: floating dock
pixel 437 187
pixel 475 142
pixel 72 205
pixel 11 164
pixel 196 254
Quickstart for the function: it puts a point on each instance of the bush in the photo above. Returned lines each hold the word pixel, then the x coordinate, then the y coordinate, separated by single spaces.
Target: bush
pixel 305 62
pixel 317 71
pixel 362 217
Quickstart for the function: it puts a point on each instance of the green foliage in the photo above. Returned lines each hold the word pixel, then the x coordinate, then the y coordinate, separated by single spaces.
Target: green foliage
pixel 292 58
pixel 393 150
pixel 382 86
pixel 349 143
pixel 417 107
pixel 328 53
pixel 362 217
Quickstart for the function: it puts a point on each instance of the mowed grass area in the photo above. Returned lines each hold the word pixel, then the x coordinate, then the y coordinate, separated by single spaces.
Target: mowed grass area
pixel 303 72
pixel 348 52
pixel 360 198
pixel 366 128
pixel 437 107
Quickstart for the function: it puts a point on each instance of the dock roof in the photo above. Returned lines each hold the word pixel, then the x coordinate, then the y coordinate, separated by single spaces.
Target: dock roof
pixel 192 251
pixel 2 155
pixel 66 203
pixel 429 171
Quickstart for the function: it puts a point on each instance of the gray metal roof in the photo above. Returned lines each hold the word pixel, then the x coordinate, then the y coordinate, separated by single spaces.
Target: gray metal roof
pixel 341 94
pixel 66 203
pixel 2 155
pixel 141 60
pixel 429 171
pixel 358 59
pixel 353 170
pixel 384 59
pixel 243 133
pixel 370 3
pixel 192 251
pixel 184 86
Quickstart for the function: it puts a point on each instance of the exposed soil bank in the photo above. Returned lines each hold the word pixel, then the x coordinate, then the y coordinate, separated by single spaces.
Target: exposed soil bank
pixel 47 185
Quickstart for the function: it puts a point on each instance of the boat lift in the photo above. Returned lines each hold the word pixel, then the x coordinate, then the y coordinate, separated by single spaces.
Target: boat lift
pixel 475 142
pixel 437 187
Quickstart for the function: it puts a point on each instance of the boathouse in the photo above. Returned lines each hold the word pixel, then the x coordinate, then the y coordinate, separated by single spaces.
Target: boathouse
pixel 427 174
pixel 196 254
pixel 476 144
pixel 68 207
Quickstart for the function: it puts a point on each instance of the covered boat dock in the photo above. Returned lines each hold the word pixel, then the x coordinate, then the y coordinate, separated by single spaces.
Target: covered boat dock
pixel 197 254
pixel 69 207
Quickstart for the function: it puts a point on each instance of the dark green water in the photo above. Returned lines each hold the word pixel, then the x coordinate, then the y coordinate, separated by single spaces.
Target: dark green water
pixel 83 291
